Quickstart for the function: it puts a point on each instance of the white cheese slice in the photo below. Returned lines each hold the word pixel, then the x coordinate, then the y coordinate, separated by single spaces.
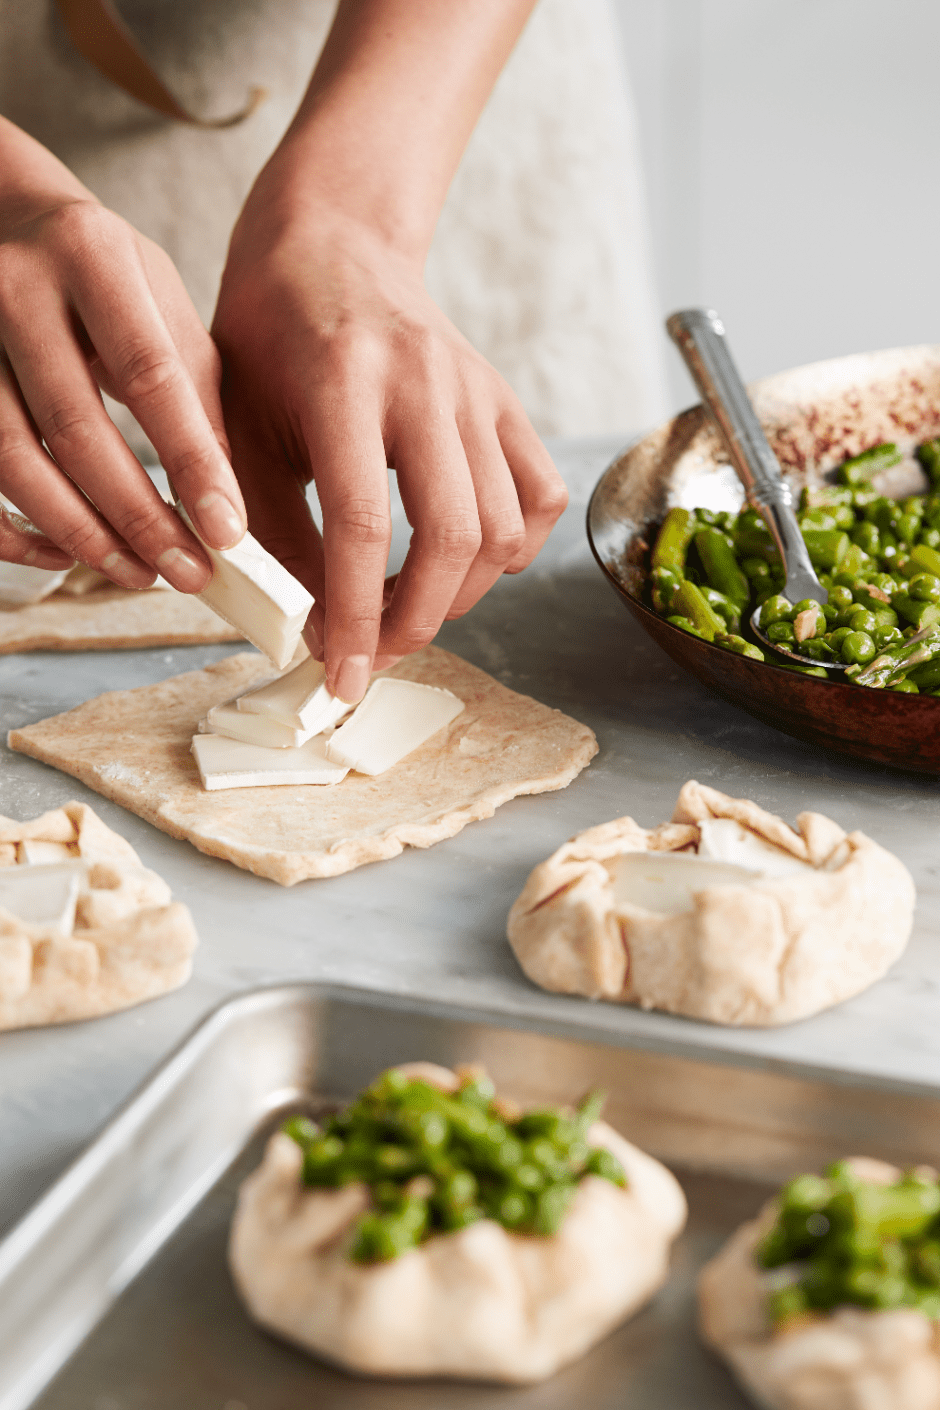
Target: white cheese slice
pixel 666 882
pixel 394 718
pixel 298 698
pixel 256 595
pixel 42 895
pixel 252 729
pixel 229 763
pixel 21 585
pixel 40 853
pixel 725 840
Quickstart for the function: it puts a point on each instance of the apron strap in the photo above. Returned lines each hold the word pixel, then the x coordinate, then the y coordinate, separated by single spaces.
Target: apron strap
pixel 102 37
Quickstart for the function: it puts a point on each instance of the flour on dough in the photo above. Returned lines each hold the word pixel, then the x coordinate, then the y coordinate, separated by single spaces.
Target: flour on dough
pixel 133 746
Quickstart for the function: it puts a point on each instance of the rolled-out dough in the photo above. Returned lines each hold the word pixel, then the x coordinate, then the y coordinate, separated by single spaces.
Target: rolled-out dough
pixel 133 746
pixel 109 619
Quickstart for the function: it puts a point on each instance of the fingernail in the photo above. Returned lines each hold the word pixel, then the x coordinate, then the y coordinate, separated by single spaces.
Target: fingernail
pixel 352 679
pixel 183 570
pixel 218 521
pixel 126 571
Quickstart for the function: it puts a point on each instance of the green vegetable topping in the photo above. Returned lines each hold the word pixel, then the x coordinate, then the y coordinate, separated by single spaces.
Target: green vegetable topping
pixel 843 1240
pixel 435 1162
pixel 877 558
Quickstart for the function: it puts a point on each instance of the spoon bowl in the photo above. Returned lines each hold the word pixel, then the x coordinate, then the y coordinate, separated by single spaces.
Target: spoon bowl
pixel 782 650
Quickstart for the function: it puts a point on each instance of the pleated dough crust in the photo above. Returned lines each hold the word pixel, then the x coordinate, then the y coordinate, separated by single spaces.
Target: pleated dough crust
pixel 754 955
pixel 131 940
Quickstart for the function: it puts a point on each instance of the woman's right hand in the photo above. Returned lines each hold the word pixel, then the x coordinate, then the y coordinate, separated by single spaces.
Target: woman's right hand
pixel 87 303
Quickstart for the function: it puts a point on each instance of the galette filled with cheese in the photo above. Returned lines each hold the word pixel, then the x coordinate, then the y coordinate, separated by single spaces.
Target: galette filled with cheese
pixel 725 913
pixel 430 1229
pixel 830 1299
pixel 85 929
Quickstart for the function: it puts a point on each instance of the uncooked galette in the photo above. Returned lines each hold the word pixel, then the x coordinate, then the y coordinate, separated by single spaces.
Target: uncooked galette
pixel 429 1230
pixel 725 913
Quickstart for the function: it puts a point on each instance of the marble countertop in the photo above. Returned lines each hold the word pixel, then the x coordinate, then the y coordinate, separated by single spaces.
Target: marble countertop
pixel 432 923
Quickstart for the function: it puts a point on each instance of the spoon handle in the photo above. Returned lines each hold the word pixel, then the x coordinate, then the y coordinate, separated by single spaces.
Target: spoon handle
pixel 700 337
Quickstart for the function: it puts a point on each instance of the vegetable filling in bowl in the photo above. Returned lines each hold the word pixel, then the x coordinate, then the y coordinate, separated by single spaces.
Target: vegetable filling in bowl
pixel 878 559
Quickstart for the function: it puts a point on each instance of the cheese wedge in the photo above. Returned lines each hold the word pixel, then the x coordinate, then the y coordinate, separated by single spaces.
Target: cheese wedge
pixel 229 763
pixel 395 718
pixel 256 595
pixel 299 698
pixel 42 895
pixel 666 882
pixel 37 852
pixel 21 585
pixel 723 839
pixel 252 729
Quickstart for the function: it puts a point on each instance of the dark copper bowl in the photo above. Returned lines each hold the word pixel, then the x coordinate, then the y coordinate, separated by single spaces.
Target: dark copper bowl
pixel 815 417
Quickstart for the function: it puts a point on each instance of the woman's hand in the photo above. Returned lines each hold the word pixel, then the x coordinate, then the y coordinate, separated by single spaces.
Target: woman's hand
pixel 86 302
pixel 338 364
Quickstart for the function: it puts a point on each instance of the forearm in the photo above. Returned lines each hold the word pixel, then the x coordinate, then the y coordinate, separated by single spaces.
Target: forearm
pixel 397 91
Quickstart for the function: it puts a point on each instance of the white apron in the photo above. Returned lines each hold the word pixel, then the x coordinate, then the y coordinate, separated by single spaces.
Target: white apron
pixel 541 255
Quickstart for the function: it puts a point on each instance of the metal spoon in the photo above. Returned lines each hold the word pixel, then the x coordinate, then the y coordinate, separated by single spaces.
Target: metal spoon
pixel 699 335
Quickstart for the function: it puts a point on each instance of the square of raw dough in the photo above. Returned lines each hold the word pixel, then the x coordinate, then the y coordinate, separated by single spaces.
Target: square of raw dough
pixel 133 746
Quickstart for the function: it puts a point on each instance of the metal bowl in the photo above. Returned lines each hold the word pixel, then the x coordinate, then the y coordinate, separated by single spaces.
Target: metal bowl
pixel 815 417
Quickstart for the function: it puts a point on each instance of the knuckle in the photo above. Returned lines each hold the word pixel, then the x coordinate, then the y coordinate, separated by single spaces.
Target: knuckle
pixel 144 372
pixel 144 521
pixel 79 541
pixel 362 524
pixel 68 431
pixel 16 447
pixel 503 542
pixel 83 227
pixel 452 541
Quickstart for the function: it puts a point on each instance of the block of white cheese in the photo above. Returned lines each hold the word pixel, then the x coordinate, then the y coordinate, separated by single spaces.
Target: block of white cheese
pixel 229 763
pixel 42 895
pixel 252 729
pixel 256 595
pixel 21 585
pixel 394 718
pixel 38 852
pixel 725 840
pixel 666 882
pixel 298 698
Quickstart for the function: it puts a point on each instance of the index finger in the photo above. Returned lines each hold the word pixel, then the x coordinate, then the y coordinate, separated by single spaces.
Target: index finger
pixel 136 349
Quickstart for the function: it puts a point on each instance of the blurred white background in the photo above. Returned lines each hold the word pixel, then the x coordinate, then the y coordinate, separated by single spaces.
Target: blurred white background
pixel 792 170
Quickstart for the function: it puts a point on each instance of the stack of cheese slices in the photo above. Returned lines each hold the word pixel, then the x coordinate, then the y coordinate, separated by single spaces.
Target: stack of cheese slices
pixel 285 730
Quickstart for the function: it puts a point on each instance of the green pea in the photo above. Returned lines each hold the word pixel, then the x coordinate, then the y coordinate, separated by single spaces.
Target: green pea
pixel 776 609
pixel 858 648
pixel 755 569
pixel 885 617
pixel 837 637
pixel 930 538
pixel 886 636
pixel 905 687
pixel 908 528
pixel 862 620
pixel 841 597
pixel 781 631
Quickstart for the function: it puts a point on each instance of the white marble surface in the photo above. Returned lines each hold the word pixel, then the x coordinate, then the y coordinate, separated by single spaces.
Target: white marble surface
pixel 432 923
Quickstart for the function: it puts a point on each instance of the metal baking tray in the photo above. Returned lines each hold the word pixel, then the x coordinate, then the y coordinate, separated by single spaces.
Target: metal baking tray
pixel 114 1289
